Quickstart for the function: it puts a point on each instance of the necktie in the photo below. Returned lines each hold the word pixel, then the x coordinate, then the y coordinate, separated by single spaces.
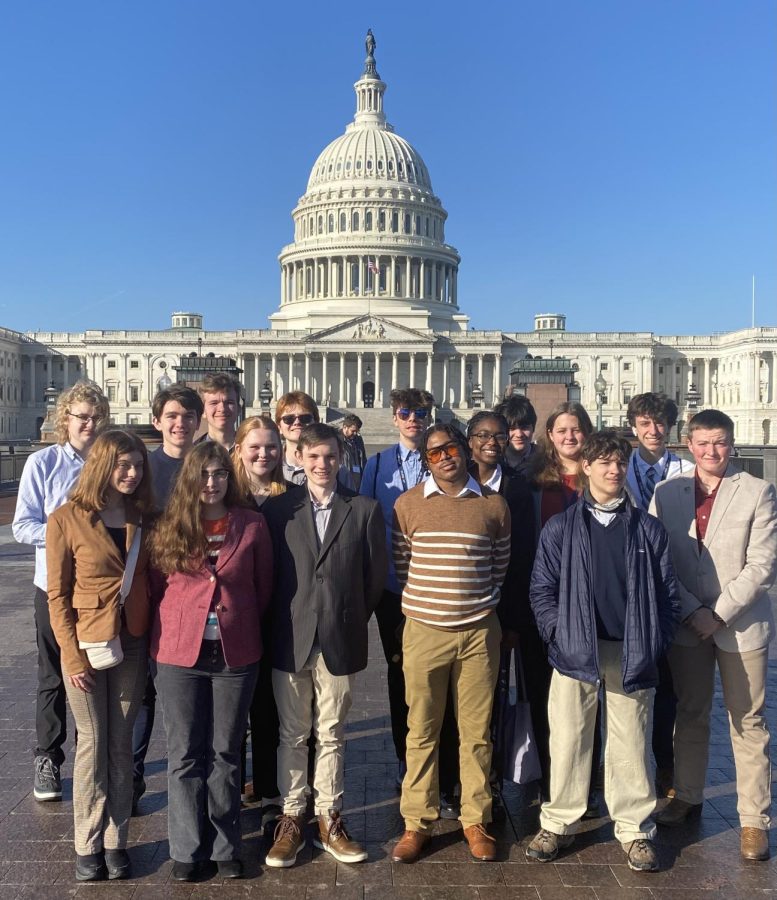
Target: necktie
pixel 650 479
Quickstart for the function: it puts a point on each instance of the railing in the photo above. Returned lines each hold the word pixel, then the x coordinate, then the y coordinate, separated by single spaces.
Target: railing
pixel 11 464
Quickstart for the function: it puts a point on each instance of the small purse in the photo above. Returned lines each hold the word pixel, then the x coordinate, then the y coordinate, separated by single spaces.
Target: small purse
pixel 107 654
pixel 522 761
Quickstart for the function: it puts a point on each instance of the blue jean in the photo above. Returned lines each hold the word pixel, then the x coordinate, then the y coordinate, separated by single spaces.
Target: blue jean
pixel 205 709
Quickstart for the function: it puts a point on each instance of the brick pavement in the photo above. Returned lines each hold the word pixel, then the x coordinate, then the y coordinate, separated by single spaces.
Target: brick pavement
pixel 36 853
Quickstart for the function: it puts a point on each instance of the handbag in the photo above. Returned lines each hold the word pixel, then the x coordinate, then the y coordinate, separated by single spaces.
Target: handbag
pixel 107 654
pixel 521 759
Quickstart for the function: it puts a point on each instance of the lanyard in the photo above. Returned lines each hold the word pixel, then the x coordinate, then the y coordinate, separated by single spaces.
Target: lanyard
pixel 402 471
pixel 640 485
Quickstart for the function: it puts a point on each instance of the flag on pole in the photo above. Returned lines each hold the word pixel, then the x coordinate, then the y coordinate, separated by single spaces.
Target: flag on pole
pixel 372 265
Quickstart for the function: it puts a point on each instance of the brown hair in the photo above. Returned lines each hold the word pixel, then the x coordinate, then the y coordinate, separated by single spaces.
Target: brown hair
pixel 277 481
pixel 410 398
pixel 91 489
pixel 178 543
pixel 82 392
pixel 603 444
pixel 216 382
pixel 319 433
pixel 296 398
pixel 657 407
pixel 189 399
pixel 711 419
pixel 545 468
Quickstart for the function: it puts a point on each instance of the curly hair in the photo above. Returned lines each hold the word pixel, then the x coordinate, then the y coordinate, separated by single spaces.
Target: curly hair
pixel 657 407
pixel 83 391
pixel 277 481
pixel 91 489
pixel 178 543
pixel 545 468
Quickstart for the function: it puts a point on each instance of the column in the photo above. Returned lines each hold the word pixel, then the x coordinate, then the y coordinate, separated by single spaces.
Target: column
pixel 257 401
pixel 705 385
pixel 453 285
pixel 429 358
pixel 408 285
pixel 307 372
pixel 393 291
pixel 343 398
pixel 445 398
pixel 359 399
pixel 435 295
pixel 394 361
pixel 422 279
pixel 617 376
pixel 324 381
pixel 480 370
pixel 498 390
pixel 362 278
pixel 462 381
pixel 378 404
pixel 757 377
pixel 315 277
pixel 412 370
pixel 273 376
pixel 284 276
pixel 290 385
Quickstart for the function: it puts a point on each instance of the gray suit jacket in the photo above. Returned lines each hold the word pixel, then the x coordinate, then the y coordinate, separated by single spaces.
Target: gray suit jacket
pixel 328 592
pixel 737 564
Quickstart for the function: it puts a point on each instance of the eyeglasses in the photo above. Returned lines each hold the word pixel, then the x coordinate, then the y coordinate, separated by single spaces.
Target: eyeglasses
pixel 216 475
pixel 486 436
pixel 125 467
pixel 451 451
pixel 303 419
pixel 84 419
pixel 405 414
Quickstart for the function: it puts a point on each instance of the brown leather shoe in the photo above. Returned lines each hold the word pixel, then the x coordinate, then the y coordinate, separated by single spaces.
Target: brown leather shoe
pixel 408 848
pixel 755 843
pixel 676 813
pixel 333 838
pixel 481 845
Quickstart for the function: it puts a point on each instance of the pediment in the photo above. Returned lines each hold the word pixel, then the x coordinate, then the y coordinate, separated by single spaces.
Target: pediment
pixel 369 329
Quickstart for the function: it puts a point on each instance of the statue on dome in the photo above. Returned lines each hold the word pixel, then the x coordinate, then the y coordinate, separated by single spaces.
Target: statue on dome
pixel 370 43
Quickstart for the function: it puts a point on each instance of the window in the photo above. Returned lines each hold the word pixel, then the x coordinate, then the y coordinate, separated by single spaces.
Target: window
pixel 660 370
pixel 134 393
pixel 417 224
pixel 407 223
pixel 626 396
pixel 331 222
pixel 111 363
pixel 134 364
pixel 627 367
pixel 604 367
pixel 381 221
pixel 368 221
pixel 395 222
pixel 355 222
pixel 343 221
pixel 111 393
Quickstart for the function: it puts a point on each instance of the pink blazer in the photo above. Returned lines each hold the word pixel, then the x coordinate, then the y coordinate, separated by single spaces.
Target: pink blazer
pixel 240 586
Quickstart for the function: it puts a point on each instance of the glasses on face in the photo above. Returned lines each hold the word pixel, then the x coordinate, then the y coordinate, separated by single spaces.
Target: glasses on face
pixel 84 419
pixel 405 414
pixel 486 436
pixel 303 419
pixel 216 475
pixel 451 451
pixel 125 467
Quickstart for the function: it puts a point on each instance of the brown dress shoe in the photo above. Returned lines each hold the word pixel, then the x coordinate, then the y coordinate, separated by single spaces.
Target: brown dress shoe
pixel 481 845
pixel 333 838
pixel 676 813
pixel 755 843
pixel 408 848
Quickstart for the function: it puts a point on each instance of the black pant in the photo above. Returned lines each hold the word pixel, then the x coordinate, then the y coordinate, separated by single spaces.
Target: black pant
pixel 537 672
pixel 50 715
pixel 263 721
pixel 390 624
pixel 144 725
pixel 664 709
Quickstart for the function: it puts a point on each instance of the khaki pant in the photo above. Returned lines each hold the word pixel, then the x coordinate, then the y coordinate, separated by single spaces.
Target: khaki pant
pixel 102 771
pixel 743 677
pixel 312 699
pixel 468 659
pixel 628 783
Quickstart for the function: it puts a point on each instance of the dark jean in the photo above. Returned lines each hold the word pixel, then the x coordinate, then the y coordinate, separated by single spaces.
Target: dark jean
pixel 144 726
pixel 205 709
pixel 50 715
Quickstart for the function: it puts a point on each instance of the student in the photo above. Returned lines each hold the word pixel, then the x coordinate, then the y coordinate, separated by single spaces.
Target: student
pixel 521 423
pixel 605 599
pixel 175 413
pixel 652 418
pixel 220 395
pixel 293 412
pixel 46 481
pixel 330 563
pixel 451 545
pixel 722 528
pixel 98 599
pixel 215 557
pixel 354 453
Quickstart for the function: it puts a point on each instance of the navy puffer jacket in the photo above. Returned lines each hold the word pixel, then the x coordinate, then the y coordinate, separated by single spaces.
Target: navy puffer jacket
pixel 562 598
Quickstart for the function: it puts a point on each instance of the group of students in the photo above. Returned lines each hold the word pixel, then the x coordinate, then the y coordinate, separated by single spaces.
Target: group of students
pixel 236 577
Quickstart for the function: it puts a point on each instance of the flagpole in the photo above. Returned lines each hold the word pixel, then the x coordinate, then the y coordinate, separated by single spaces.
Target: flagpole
pixel 753 325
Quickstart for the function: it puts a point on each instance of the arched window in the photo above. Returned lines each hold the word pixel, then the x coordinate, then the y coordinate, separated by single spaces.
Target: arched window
pixel 343 221
pixel 381 221
pixel 395 222
pixel 417 224
pixel 320 224
pixel 331 222
pixel 355 222
pixel 368 221
pixel 304 228
pixel 408 226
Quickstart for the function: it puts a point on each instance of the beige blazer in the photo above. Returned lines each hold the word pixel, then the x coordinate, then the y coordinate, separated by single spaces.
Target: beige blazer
pixel 738 562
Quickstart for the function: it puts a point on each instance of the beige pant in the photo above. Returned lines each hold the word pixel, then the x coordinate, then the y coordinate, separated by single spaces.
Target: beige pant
pixel 102 771
pixel 743 677
pixel 312 699
pixel 469 660
pixel 628 782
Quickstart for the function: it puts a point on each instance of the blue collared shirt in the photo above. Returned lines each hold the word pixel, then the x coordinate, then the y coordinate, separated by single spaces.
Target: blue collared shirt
pixel 383 482
pixel 47 479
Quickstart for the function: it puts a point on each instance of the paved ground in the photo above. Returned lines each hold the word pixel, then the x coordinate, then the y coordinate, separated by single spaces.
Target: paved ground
pixel 36 853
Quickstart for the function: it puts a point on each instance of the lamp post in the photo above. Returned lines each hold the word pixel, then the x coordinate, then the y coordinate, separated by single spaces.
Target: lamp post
pixel 600 386
pixel 265 395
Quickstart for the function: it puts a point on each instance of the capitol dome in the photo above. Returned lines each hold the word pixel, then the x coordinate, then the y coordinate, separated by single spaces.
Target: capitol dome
pixel 369 232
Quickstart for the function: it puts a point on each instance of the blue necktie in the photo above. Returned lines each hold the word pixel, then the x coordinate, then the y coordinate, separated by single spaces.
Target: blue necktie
pixel 650 478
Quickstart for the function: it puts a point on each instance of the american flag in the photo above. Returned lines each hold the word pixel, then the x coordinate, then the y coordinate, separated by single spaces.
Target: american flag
pixel 373 266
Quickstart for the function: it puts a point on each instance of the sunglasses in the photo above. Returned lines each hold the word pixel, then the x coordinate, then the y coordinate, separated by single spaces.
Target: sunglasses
pixel 303 419
pixel 451 451
pixel 405 414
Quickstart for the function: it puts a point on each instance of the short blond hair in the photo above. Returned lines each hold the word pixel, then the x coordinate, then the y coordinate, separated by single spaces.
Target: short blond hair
pixel 82 392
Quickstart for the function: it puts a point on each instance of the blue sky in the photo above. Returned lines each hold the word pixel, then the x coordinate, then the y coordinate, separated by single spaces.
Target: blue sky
pixel 614 161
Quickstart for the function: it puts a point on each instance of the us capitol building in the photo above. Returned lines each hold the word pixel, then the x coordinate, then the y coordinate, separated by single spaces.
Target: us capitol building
pixel 369 300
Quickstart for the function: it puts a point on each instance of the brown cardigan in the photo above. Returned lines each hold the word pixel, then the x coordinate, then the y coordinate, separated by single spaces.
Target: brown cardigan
pixel 85 571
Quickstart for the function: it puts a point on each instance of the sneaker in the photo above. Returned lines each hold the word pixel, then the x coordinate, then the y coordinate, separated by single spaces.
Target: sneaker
pixel 47 784
pixel 545 845
pixel 287 843
pixel 641 856
pixel 333 838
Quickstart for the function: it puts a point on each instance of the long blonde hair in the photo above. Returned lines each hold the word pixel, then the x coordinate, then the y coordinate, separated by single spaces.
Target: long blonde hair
pixel 277 481
pixel 545 469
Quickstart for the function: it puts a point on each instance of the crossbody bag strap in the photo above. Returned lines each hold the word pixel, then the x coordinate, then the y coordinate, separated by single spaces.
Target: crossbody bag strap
pixel 129 568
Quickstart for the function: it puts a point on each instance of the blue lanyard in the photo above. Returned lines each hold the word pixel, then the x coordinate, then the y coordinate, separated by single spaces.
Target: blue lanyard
pixel 402 471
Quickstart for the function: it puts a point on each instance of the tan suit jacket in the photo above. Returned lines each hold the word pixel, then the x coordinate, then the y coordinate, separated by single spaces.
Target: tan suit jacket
pixel 737 564
pixel 85 574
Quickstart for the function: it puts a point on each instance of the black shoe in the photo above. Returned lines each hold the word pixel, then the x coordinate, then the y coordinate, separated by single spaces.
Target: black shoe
pixel 46 783
pixel 185 871
pixel 449 807
pixel 230 868
pixel 138 789
pixel 118 864
pixel 91 867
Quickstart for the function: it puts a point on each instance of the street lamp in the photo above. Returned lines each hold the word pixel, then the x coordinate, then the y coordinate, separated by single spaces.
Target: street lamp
pixel 265 395
pixel 600 386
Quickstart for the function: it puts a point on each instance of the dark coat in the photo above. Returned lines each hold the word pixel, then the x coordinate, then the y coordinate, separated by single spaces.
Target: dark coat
pixel 329 592
pixel 514 611
pixel 563 604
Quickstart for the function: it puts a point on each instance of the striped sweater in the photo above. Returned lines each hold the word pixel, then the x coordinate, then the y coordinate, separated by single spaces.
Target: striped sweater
pixel 451 555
